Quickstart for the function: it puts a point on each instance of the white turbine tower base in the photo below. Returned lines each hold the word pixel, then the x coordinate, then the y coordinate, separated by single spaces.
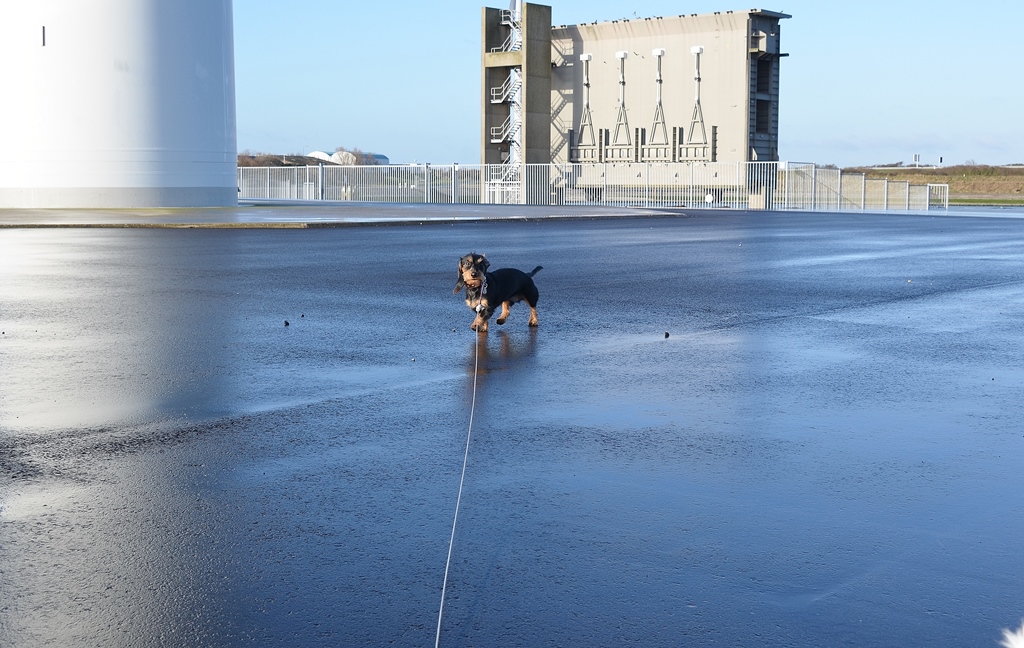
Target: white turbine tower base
pixel 117 103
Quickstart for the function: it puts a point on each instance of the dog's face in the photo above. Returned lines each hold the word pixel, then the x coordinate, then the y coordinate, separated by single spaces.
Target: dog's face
pixel 472 268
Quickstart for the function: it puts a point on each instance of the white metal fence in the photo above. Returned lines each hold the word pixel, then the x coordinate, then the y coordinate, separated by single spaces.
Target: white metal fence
pixel 736 185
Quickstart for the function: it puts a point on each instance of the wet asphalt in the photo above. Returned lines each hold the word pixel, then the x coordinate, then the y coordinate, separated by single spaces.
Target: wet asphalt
pixel 826 448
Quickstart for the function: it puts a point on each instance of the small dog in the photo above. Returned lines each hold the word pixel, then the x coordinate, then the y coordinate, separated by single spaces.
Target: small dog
pixel 485 290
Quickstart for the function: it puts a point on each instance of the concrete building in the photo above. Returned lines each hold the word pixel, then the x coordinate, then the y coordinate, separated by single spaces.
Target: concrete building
pixel 664 89
pixel 137 96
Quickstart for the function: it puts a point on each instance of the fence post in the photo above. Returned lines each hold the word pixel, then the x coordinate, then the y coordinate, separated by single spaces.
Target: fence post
pixel 455 183
pixel 604 188
pixel 814 187
pixel 736 194
pixel 785 195
pixel 690 199
pixel 426 182
pixel 647 197
pixel 485 196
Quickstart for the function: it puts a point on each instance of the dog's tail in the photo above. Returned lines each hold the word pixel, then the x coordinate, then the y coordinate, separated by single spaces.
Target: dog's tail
pixel 534 271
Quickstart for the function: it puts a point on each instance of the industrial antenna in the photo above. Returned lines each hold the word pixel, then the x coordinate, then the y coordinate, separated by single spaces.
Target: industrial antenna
pixel 659 132
pixel 586 137
pixel 621 123
pixel 697 121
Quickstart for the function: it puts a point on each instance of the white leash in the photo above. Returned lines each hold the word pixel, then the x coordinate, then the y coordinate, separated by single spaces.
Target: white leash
pixel 465 459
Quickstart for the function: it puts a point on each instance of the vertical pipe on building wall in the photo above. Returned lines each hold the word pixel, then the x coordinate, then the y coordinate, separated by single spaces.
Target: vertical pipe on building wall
pixel 659 112
pixel 622 121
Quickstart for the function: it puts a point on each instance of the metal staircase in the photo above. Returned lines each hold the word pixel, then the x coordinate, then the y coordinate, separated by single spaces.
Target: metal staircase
pixel 514 42
pixel 505 186
pixel 505 91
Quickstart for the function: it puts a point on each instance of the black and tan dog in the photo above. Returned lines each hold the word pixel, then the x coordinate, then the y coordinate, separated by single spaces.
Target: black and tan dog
pixel 485 290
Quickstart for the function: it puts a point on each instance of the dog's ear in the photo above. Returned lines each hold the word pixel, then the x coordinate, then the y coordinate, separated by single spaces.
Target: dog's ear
pixel 484 262
pixel 460 284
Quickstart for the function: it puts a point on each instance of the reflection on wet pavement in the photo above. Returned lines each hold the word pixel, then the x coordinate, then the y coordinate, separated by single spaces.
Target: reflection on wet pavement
pixel 825 451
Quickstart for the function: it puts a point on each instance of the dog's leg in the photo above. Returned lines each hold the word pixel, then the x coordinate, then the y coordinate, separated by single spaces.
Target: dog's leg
pixel 505 306
pixel 479 324
pixel 533 316
pixel 482 316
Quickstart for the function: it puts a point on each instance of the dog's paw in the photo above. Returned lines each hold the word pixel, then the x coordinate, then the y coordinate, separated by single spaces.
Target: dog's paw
pixel 500 320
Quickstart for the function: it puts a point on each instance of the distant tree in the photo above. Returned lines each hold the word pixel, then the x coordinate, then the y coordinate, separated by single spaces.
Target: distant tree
pixel 361 158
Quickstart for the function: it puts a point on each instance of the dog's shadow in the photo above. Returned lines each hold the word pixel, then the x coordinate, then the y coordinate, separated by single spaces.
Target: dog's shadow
pixel 500 351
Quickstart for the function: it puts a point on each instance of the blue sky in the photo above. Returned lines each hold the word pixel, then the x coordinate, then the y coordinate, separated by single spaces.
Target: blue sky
pixel 866 82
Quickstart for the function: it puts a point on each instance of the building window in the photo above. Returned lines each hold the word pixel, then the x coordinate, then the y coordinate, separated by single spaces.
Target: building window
pixel 763 116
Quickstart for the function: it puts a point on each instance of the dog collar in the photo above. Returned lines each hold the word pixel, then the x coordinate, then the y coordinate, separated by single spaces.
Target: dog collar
pixel 483 287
